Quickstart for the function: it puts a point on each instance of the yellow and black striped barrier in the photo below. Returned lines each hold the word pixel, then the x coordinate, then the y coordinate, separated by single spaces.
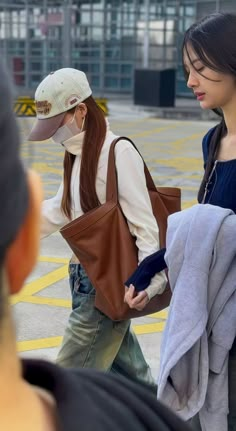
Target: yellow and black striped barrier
pixel 103 105
pixel 25 106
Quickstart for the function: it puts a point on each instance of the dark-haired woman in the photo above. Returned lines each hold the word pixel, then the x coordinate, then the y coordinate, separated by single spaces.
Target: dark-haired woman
pixel 67 112
pixel 209 60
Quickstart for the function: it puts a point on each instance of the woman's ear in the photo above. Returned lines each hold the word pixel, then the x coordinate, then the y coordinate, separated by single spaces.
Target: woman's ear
pixel 22 254
pixel 82 108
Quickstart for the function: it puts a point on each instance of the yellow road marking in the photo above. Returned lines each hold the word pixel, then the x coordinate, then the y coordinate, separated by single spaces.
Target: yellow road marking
pixel 40 343
pixel 45 343
pixel 160 315
pixel 189 188
pixel 44 167
pixel 151 132
pixel 188 204
pixel 66 303
pixel 53 259
pixel 42 300
pixel 186 139
pixel 41 283
pixel 149 328
pixel 120 124
pixel 49 183
pixel 183 177
pixel 49 192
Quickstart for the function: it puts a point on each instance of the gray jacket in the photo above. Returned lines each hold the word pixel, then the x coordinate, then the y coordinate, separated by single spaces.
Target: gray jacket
pixel 201 326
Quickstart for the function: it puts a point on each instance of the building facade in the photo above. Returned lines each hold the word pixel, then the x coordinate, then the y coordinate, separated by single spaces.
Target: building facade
pixel 107 39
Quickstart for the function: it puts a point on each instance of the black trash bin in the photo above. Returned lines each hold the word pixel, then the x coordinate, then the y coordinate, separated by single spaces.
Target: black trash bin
pixel 154 87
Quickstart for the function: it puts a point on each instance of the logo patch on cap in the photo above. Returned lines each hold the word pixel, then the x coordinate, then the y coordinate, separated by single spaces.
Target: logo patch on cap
pixel 72 100
pixel 43 107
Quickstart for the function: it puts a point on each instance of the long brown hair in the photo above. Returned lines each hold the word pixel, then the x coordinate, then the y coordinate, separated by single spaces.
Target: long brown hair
pixel 95 132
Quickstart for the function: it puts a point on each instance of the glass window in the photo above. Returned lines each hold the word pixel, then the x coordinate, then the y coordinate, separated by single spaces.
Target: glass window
pixel 20 80
pixel 190 11
pixel 95 53
pixel 36 44
pixel 128 51
pixel 112 68
pixel 83 66
pixel 95 67
pixel 126 68
pixel 98 18
pixel 97 33
pixel 54 66
pixel 126 83
pixel 111 82
pixel 112 53
pixel 85 16
pixel 170 11
pixel 35 79
pixel 95 82
pixel 35 66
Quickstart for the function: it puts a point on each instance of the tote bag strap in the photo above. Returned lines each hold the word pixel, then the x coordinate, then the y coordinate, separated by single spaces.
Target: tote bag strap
pixel 112 186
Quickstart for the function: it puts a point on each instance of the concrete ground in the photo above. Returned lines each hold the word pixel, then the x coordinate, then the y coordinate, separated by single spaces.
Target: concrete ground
pixel 172 150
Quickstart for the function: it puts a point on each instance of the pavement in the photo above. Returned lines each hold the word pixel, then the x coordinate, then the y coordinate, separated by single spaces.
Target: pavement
pixel 172 151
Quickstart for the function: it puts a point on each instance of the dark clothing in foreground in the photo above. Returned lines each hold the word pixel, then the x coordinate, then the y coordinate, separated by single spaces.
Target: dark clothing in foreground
pixel 91 400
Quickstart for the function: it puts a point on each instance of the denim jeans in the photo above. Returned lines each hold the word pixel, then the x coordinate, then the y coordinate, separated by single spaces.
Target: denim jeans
pixel 92 340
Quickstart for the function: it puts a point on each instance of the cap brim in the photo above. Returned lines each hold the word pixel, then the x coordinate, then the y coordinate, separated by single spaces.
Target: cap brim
pixel 45 128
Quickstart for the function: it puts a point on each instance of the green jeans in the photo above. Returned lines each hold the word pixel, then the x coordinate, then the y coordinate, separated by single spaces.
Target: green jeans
pixel 92 340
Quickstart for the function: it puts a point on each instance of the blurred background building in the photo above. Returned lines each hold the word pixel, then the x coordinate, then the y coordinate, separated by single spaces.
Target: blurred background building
pixel 107 39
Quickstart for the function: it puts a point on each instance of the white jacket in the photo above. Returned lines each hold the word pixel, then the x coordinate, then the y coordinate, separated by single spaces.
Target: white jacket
pixel 133 198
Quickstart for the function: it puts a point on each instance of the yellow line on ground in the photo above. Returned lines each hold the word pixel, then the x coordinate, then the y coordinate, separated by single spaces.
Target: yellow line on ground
pixel 49 183
pixel 181 175
pixel 42 300
pixel 51 152
pixel 160 315
pixel 53 259
pixel 44 167
pixel 151 132
pixel 41 343
pixel 149 328
pixel 49 193
pixel 66 303
pixel 186 138
pixel 188 204
pixel 41 283
pixel 120 124
pixel 45 343
pixel 189 188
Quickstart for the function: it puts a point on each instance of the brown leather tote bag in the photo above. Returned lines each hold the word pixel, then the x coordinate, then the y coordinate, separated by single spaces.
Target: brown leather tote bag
pixel 104 246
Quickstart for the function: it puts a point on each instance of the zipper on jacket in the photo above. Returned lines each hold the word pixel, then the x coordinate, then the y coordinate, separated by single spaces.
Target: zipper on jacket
pixel 208 181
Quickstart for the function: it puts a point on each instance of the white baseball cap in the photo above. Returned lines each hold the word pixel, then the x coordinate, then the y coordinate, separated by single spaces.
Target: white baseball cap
pixel 56 94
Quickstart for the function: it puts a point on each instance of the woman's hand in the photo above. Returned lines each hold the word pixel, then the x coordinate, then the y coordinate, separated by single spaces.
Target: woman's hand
pixel 137 300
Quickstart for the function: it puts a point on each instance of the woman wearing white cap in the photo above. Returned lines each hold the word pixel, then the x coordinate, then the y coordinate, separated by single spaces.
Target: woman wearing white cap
pixel 67 113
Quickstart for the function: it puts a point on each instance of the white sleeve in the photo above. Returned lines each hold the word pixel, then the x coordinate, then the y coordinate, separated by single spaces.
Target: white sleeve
pixel 52 216
pixel 157 285
pixel 135 201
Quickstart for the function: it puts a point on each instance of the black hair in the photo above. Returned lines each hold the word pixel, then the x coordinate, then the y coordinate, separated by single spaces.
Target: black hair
pixel 213 41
